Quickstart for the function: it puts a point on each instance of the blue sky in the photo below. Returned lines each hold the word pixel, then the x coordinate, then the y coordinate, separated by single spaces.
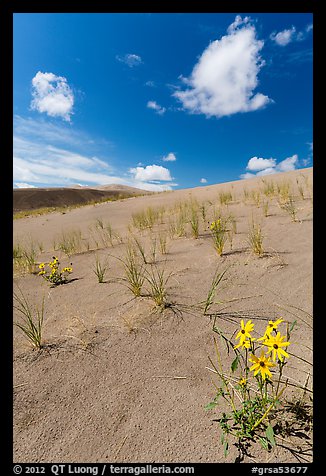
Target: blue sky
pixel 160 101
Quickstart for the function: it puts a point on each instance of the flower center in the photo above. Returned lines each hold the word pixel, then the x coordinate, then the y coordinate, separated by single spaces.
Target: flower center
pixel 275 346
pixel 243 331
pixel 262 364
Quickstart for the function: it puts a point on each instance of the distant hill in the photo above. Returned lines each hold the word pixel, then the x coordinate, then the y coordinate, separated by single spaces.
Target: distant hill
pixel 25 199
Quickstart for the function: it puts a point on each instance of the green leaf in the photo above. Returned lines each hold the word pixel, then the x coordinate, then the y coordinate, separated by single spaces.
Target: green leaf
pixel 210 406
pixel 263 442
pixel 292 326
pixel 270 435
pixel 226 448
pixel 235 363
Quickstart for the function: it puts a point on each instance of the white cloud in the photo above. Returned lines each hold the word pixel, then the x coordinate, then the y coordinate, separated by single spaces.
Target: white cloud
pixel 225 77
pixel 150 84
pixel 170 157
pixel 269 166
pixel 130 59
pixel 157 108
pixel 52 95
pixel 284 37
pixel 23 185
pixel 288 164
pixel 257 163
pixel 151 173
pixel 203 180
pixel 56 155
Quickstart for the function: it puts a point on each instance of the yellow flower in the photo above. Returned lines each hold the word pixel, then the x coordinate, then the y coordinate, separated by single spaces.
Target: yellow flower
pixel 275 344
pixel 243 382
pixel 272 326
pixel 261 364
pixel 67 270
pixel 41 272
pixel 246 343
pixel 41 266
pixel 244 332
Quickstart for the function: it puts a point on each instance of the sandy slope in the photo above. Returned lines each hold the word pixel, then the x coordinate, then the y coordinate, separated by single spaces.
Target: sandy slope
pixel 120 381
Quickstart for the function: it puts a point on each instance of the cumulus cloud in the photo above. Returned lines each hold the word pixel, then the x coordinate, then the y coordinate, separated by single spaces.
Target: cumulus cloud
pixel 130 60
pixel 203 180
pixel 151 173
pixel 52 95
pixel 289 35
pixel 284 37
pixel 256 164
pixel 288 164
pixel 259 167
pixel 156 107
pixel 226 75
pixel 170 157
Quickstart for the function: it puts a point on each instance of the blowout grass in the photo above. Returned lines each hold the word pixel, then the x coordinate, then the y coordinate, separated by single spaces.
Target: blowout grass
pixel 31 320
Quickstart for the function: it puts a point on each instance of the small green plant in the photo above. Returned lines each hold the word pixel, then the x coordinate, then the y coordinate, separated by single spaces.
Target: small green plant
pixel 52 272
pixel 100 270
pixel 24 257
pixel 283 190
pixel 147 218
pixel 268 188
pixel 141 249
pixel 219 233
pixel 265 208
pixel 225 198
pixel 194 223
pixel 134 272
pixel 255 238
pixel 157 281
pixel 255 196
pixel 289 207
pixel 203 211
pixel 31 320
pixel 253 387
pixel 300 189
pixel 162 241
pixel 209 301
pixel 246 195
pixel 106 232
pixel 69 242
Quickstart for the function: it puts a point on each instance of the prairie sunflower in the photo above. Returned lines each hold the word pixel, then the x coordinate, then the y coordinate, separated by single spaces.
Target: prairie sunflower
pixel 272 326
pixel 275 344
pixel 244 332
pixel 261 364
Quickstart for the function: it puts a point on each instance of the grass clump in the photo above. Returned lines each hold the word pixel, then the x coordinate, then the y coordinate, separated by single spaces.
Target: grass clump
pixel 157 280
pixel 70 242
pixel 194 222
pixel 255 238
pixel 289 207
pixel 147 218
pixel 218 230
pixel 31 320
pixel 225 198
pixel 100 270
pixel 134 271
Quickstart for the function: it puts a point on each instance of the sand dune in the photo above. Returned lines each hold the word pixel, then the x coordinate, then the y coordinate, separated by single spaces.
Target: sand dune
pixel 34 198
pixel 120 380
